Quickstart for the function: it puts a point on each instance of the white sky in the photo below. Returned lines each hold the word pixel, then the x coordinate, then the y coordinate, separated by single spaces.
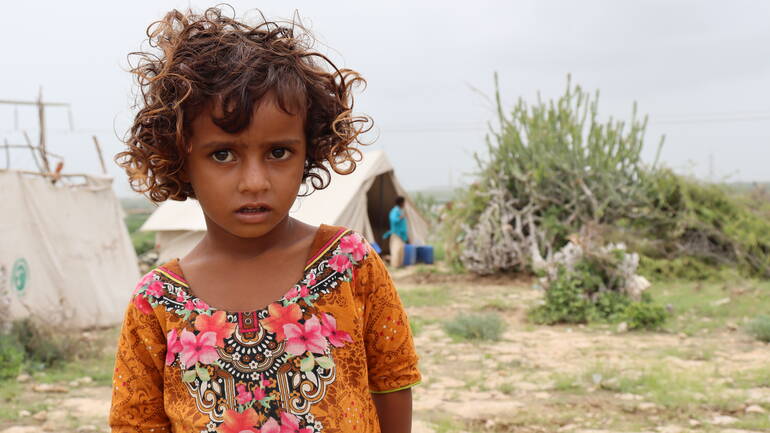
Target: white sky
pixel 700 69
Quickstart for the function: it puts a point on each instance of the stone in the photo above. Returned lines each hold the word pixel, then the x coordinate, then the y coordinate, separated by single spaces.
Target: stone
pixel 47 387
pixel 24 377
pixel 723 420
pixel 622 327
pixel 86 428
pixel 86 380
pixel 41 416
pixel 24 414
pixel 755 409
pixel 694 423
pixel 646 406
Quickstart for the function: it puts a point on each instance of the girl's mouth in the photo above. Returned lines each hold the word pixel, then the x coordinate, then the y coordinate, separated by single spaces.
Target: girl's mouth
pixel 253 213
pixel 253 209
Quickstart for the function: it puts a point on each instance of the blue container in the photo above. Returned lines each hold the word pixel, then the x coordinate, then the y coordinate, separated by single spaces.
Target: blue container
pixel 376 247
pixel 425 254
pixel 410 255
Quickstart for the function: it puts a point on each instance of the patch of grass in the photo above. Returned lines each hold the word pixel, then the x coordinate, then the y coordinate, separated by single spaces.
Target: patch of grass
pixel 11 356
pixel 478 326
pixel 753 422
pixel 566 383
pixel 708 306
pixel 759 328
pixel 499 305
pixel 417 324
pixel 447 425
pixel 757 378
pixel 430 296
pixel 506 388
pixel 690 353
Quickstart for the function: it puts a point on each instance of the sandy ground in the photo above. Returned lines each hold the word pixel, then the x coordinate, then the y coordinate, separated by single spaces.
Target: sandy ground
pixel 535 379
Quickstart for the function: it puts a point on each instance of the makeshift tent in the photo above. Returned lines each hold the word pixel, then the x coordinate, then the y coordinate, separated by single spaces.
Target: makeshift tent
pixel 65 253
pixel 360 201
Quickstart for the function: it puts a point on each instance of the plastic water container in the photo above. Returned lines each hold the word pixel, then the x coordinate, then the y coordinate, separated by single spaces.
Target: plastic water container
pixel 410 255
pixel 425 254
pixel 376 247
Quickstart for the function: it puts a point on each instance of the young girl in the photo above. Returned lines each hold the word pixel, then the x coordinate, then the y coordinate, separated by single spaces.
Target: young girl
pixel 268 325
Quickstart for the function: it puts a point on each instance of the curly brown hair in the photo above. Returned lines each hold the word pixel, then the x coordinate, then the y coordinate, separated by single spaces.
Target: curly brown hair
pixel 213 56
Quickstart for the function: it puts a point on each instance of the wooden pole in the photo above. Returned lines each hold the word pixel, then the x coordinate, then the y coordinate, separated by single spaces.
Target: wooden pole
pixel 41 121
pixel 7 154
pixel 32 150
pixel 99 152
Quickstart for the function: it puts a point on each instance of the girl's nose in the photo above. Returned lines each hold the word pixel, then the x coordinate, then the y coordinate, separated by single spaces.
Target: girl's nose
pixel 254 178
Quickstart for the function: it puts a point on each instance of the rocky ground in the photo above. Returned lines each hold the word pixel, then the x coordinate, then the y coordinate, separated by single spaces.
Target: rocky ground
pixel 702 374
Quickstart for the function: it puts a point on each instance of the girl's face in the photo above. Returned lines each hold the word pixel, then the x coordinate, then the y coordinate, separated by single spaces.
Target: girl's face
pixel 246 182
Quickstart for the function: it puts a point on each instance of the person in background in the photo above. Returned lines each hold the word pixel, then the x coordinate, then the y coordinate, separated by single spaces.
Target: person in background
pixel 398 228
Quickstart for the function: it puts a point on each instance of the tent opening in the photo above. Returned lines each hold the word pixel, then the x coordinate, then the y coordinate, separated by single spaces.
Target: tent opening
pixel 380 199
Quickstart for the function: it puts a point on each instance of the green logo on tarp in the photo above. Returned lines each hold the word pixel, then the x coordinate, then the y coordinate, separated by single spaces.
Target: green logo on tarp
pixel 20 276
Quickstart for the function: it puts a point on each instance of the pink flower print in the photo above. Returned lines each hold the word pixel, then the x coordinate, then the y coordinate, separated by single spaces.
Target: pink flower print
pixel 265 382
pixel 173 346
pixel 155 289
pixel 271 426
pixel 200 305
pixel 181 297
pixel 290 424
pixel 279 316
pixel 340 263
pixel 198 348
pixel 145 279
pixel 243 422
pixel 304 292
pixel 244 395
pixel 216 323
pixel 354 245
pixel 141 303
pixel 189 306
pixel 302 339
pixel 311 279
pixel 292 293
pixel 259 394
pixel 336 337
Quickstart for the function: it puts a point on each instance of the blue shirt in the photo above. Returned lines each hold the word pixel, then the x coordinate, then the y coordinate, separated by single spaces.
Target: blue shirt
pixel 397 224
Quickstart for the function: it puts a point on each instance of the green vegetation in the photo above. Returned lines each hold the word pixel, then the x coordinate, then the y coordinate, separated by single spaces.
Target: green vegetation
pixel 430 296
pixel 553 168
pixel 475 327
pixel 575 297
pixel 142 241
pixel 760 328
pixel 707 306
pixel 11 356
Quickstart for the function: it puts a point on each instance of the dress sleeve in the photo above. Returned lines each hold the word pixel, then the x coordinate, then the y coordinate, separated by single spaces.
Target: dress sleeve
pixel 137 389
pixel 390 355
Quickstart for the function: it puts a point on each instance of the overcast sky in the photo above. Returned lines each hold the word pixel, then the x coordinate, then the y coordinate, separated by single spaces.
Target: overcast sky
pixel 700 69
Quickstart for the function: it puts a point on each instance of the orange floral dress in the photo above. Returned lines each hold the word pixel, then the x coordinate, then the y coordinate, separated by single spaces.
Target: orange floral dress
pixel 306 363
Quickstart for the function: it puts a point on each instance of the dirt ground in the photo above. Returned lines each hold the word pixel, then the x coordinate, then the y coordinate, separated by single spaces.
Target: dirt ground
pixel 578 379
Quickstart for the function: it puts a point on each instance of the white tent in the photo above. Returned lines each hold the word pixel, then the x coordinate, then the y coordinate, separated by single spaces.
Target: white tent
pixel 360 201
pixel 65 253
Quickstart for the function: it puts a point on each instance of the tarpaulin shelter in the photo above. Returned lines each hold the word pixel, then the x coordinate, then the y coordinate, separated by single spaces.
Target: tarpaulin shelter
pixel 65 254
pixel 360 200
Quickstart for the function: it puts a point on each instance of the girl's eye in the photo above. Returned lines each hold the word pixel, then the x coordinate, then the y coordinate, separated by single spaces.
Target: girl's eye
pixel 280 153
pixel 222 156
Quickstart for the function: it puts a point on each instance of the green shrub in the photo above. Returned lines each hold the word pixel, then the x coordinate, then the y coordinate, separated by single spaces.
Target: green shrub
pixel 759 328
pixel 565 301
pixel 644 315
pixel 11 356
pixel 480 326
pixel 143 241
pixel 610 306
pixel 48 345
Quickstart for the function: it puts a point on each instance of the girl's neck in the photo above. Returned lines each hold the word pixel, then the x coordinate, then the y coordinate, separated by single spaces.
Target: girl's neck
pixel 220 243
